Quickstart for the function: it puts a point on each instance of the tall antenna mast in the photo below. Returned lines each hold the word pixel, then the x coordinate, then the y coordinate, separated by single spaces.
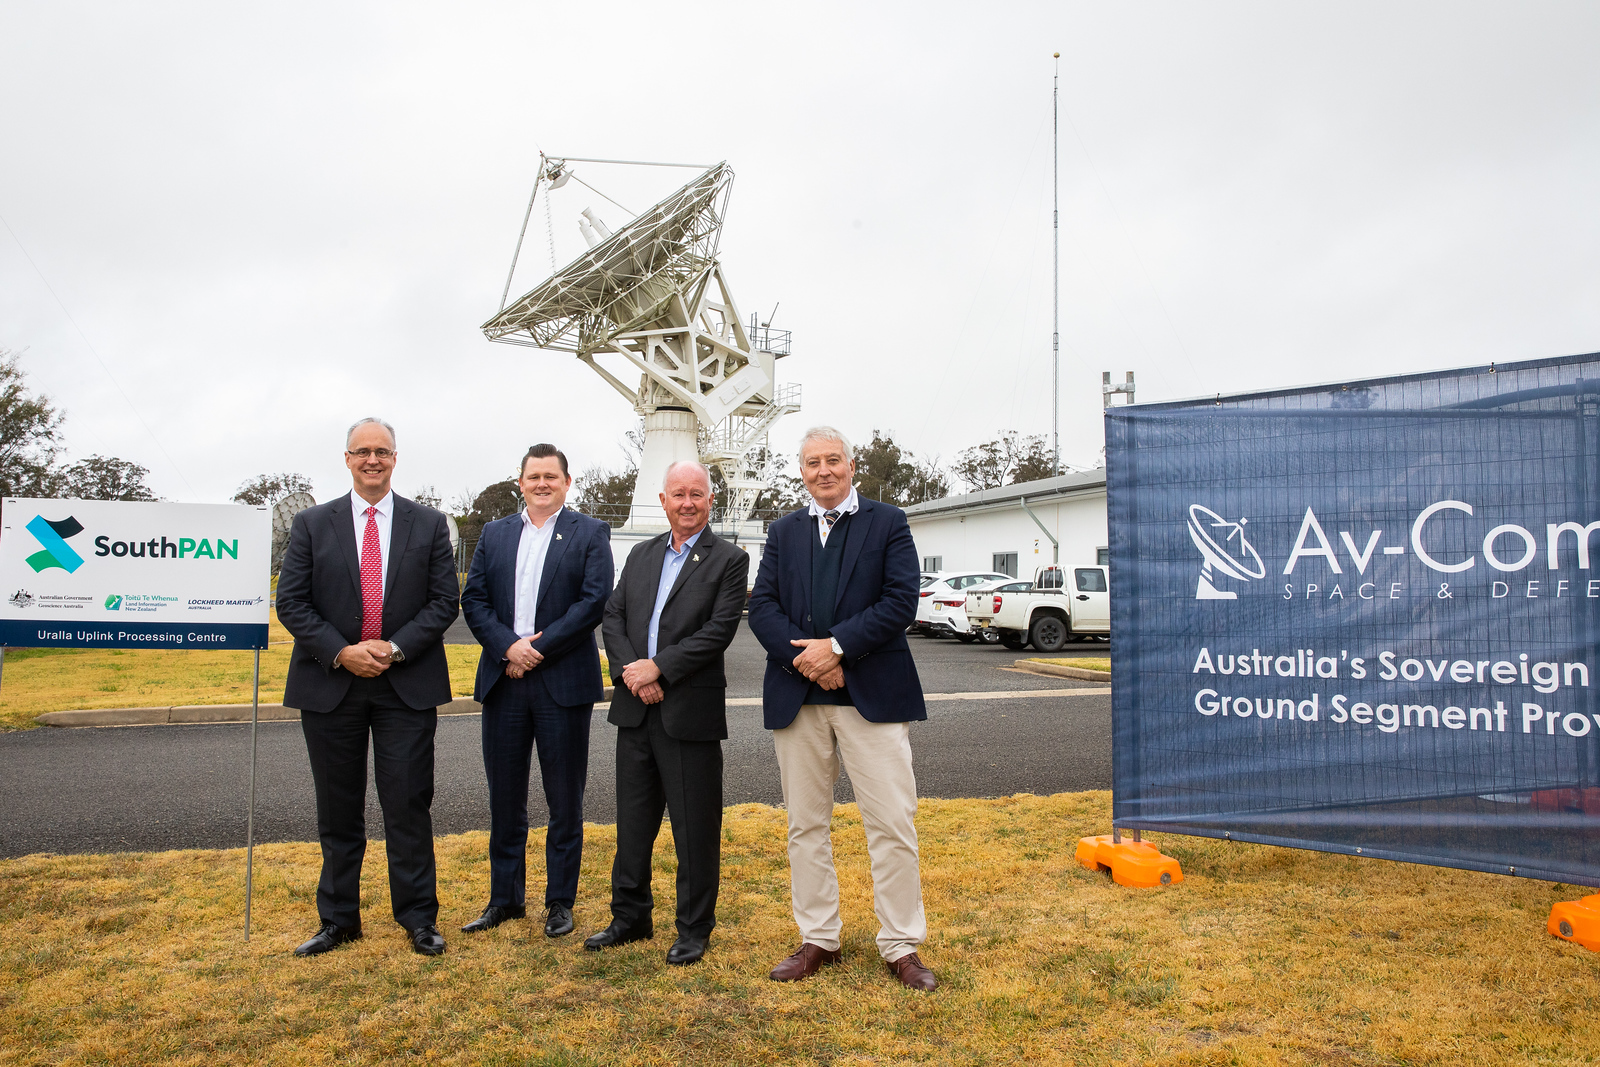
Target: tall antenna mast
pixel 1055 256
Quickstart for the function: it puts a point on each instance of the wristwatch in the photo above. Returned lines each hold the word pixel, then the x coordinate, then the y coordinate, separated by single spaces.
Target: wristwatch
pixel 833 642
pixel 395 655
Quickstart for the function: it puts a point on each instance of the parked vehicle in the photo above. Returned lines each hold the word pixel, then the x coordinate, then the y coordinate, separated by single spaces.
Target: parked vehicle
pixel 941 609
pixel 978 633
pixel 1059 604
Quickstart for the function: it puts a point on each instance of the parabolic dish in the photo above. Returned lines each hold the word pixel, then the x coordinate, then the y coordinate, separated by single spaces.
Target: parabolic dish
pixel 1231 554
pixel 626 279
pixel 284 511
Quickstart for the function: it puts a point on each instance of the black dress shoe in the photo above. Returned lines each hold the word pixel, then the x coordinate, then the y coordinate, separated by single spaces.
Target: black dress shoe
pixel 686 950
pixel 493 916
pixel 328 938
pixel 558 920
pixel 427 941
pixel 617 934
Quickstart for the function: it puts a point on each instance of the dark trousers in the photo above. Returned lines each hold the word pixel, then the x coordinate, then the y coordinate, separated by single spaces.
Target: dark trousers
pixel 518 716
pixel 685 777
pixel 402 750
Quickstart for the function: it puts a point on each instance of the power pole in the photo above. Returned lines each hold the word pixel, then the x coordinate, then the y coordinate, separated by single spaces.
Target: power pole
pixel 1055 256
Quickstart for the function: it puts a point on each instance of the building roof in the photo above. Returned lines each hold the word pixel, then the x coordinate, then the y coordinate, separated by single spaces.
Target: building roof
pixel 1040 491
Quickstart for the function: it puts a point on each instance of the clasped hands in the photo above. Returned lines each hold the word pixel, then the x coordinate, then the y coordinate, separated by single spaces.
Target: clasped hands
pixel 643 679
pixel 365 659
pixel 522 657
pixel 819 662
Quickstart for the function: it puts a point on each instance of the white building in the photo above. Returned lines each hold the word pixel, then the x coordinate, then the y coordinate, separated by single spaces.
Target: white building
pixel 1011 529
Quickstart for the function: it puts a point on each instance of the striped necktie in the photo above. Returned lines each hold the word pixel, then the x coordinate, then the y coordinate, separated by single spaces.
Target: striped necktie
pixel 831 517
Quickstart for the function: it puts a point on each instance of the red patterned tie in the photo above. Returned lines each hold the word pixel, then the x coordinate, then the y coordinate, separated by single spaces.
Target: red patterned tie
pixel 371 580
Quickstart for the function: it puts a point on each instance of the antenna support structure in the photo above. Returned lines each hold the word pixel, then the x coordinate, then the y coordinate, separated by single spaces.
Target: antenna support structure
pixel 1107 390
pixel 648 308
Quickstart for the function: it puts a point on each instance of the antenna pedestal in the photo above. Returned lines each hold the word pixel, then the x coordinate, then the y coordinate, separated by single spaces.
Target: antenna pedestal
pixel 670 435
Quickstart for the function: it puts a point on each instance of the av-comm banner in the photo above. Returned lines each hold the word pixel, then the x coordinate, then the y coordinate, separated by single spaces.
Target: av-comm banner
pixel 132 574
pixel 1362 618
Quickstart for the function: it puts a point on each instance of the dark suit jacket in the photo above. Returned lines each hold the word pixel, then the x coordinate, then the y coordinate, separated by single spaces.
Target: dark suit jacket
pixel 877 600
pixel 319 603
pixel 572 596
pixel 698 622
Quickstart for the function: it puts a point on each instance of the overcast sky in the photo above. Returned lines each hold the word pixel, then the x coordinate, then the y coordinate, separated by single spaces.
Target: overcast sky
pixel 262 222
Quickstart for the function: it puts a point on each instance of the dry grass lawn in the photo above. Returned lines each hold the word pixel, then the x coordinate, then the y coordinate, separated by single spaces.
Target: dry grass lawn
pixel 1086 662
pixel 1261 956
pixel 36 680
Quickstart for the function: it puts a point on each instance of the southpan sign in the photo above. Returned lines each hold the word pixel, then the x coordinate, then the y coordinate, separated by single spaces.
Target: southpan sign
pixel 133 574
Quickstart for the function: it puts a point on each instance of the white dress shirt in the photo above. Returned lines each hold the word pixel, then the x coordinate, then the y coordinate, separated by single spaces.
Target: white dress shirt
pixel 532 548
pixel 385 517
pixel 851 505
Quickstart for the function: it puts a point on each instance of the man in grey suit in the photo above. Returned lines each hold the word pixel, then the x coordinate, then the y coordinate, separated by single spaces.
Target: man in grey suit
pixel 672 616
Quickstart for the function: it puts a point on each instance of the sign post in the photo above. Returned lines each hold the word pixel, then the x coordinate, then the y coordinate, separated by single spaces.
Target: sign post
pixel 140 574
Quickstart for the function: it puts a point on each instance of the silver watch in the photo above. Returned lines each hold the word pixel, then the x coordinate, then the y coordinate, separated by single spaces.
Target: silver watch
pixel 395 655
pixel 833 642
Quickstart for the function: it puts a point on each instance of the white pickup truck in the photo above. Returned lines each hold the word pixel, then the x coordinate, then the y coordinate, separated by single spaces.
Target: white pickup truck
pixel 1062 603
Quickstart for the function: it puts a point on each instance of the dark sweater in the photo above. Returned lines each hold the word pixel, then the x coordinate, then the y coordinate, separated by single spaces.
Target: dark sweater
pixel 826 562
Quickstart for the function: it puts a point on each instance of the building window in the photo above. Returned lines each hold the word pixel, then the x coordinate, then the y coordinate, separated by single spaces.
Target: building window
pixel 933 563
pixel 1005 563
pixel 1102 556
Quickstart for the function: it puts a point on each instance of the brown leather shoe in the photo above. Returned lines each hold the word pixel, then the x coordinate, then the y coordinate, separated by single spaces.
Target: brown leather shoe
pixel 806 961
pixel 912 973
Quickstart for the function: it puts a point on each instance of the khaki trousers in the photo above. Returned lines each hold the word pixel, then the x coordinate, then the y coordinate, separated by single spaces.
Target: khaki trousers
pixel 877 756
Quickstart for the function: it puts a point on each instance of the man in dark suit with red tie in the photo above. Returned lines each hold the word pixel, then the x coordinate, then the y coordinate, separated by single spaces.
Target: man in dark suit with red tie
pixel 535 593
pixel 367 589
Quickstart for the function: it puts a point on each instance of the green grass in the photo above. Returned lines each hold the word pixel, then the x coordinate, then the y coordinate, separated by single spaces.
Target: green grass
pixel 37 680
pixel 1261 955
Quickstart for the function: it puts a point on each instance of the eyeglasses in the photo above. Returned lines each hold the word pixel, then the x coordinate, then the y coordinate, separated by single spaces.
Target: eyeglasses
pixel 369 453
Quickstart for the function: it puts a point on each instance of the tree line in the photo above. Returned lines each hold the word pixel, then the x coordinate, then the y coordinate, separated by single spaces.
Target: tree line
pixel 32 450
pixel 884 471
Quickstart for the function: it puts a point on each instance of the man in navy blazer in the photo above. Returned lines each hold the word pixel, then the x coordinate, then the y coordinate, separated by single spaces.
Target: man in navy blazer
pixel 535 593
pixel 836 590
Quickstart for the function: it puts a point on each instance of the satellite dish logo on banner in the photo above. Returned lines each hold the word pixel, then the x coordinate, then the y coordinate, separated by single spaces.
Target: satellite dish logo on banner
pixel 1223 546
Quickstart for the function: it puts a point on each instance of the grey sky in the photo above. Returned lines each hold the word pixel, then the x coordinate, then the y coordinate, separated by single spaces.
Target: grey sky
pixel 271 221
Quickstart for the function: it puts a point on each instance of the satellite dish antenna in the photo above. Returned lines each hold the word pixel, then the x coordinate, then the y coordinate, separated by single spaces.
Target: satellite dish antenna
pixel 455 532
pixel 1224 548
pixel 283 513
pixel 651 299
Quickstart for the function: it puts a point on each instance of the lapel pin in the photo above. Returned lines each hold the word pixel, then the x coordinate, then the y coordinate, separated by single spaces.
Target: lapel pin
pixel 695 558
pixel 558 537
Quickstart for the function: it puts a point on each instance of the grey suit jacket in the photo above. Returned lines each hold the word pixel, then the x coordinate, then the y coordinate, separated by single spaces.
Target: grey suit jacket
pixel 698 623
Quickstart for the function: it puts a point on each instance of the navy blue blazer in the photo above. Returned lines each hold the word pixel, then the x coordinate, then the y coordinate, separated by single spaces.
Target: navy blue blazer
pixel 877 600
pixel 572 598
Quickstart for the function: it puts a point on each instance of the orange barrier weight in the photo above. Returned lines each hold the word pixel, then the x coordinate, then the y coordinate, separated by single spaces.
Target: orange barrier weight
pixel 1577 921
pixel 1586 800
pixel 1132 863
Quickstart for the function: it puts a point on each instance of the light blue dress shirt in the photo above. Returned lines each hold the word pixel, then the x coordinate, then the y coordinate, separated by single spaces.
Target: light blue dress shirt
pixel 671 567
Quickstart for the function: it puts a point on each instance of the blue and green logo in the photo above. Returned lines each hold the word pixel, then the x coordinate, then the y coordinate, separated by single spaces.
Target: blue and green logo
pixel 113 601
pixel 53 536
